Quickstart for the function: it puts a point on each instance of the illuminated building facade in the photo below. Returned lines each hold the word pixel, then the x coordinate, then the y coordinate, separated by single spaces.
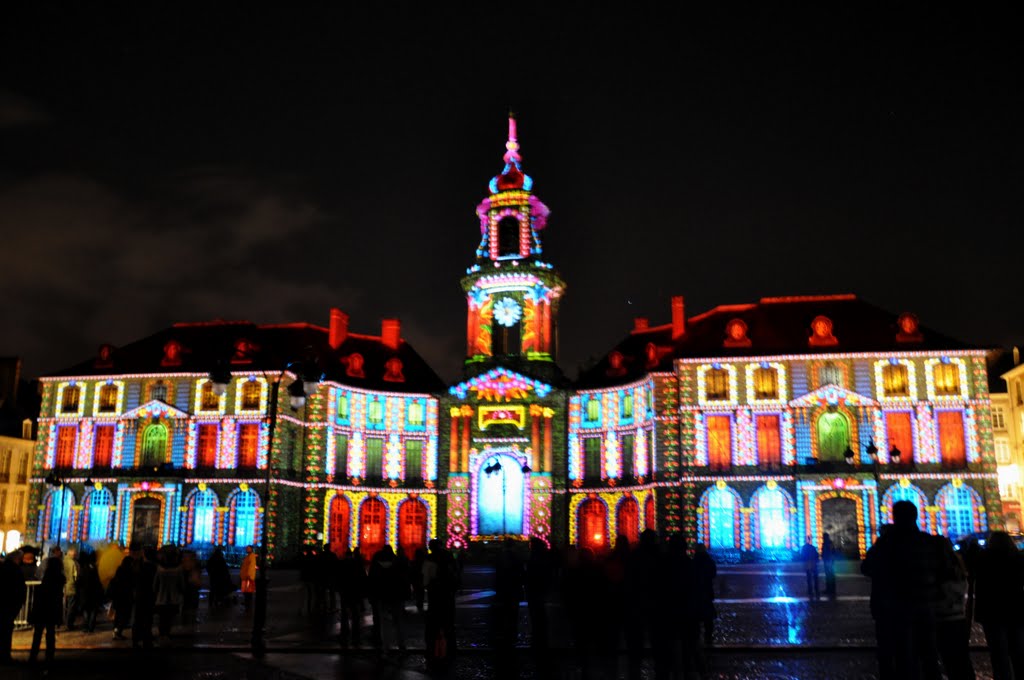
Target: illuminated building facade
pixel 1007 384
pixel 747 428
pixel 766 416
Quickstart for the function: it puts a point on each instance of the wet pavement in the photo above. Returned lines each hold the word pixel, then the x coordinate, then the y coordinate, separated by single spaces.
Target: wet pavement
pixel 766 629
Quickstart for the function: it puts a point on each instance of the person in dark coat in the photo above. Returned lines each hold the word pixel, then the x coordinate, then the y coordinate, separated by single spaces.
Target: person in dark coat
pixel 122 596
pixel 144 575
pixel 646 576
pixel 48 606
pixel 904 566
pixel 682 603
pixel 389 590
pixel 539 572
pixel 953 629
pixel 704 571
pixel 12 598
pixel 416 577
pixel 352 584
pixel 221 584
pixel 89 589
pixel 809 558
pixel 441 580
pixel 999 604
pixel 828 561
pixel 508 592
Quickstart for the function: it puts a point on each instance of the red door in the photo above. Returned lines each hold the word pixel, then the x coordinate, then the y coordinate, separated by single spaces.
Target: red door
pixel 412 527
pixel 372 527
pixel 338 536
pixel 593 525
pixel 628 521
pixel 649 519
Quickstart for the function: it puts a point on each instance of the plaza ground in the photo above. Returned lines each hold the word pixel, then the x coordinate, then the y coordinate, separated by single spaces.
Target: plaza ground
pixel 766 629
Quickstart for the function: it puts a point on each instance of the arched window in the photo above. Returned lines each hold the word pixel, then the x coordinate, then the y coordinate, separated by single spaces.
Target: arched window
pixel 593 524
pixel 716 384
pixel 412 527
pixel 508 236
pixel 373 522
pixel 895 380
pixel 158 392
pixel 772 518
pixel 833 436
pixel 59 506
pixel 898 492
pixel 830 374
pixel 960 509
pixel 70 399
pixel 204 516
pixel 339 523
pixel 721 506
pixel 627 522
pixel 154 445
pixel 766 383
pixel 100 501
pixel 946 377
pixel 244 509
pixel 252 390
pixel 107 399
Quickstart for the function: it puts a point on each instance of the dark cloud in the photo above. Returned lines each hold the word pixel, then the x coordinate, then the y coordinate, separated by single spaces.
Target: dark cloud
pixel 89 265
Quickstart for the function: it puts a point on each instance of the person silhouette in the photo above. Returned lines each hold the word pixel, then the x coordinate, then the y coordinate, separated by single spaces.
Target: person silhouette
pixel 828 561
pixel 809 558
pixel 999 604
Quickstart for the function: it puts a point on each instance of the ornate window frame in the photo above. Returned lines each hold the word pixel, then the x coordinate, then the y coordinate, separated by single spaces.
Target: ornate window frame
pixel 702 397
pixel 880 382
pixel 780 376
pixel 929 372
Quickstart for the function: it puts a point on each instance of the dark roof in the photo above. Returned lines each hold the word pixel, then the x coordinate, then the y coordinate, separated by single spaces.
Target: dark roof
pixel 1000 361
pixel 774 326
pixel 206 345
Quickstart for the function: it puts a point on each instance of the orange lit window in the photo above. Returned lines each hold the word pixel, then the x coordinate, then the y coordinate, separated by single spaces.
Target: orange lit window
pixel 69 400
pixel 66 445
pixel 716 384
pixel 251 393
pixel 719 442
pixel 951 439
pixel 766 383
pixel 947 380
pixel 108 399
pixel 769 453
pixel 207 446
pixel 209 401
pixel 895 381
pixel 248 441
pixel 103 446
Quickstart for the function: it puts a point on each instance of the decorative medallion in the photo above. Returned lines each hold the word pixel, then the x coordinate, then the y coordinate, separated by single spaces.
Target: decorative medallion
pixel 507 311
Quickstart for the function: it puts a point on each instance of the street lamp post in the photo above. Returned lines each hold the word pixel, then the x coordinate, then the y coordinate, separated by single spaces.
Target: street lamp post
pixel 297 392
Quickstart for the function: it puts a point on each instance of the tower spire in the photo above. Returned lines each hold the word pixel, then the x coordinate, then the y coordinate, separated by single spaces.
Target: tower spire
pixel 512 145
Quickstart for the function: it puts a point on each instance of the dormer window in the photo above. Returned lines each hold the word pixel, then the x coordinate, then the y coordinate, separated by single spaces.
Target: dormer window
pixel 70 399
pixel 107 398
pixel 716 384
pixel 946 376
pixel 895 381
pixel 766 383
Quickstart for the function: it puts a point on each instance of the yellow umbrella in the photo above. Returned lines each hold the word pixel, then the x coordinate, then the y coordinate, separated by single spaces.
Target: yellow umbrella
pixel 107 561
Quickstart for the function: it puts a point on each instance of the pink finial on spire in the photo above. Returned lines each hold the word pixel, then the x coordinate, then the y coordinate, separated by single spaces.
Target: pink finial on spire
pixel 512 145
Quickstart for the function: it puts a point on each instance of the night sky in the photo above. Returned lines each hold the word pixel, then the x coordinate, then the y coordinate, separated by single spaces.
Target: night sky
pixel 161 164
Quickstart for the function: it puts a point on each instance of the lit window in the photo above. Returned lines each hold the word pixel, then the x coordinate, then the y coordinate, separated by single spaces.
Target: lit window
pixel 209 401
pixel 719 442
pixel 246 504
pixel 951 439
pixel 204 516
pixel 895 380
pixel 716 384
pixel 592 458
pixel 252 390
pixel 1002 452
pixel 959 509
pixel 108 399
pixel 66 446
pixel 248 443
pixel 769 448
pixel 627 405
pixel 416 413
pixel 375 412
pixel 901 435
pixel 374 458
pixel 766 383
pixel 413 459
pixel 343 406
pixel 627 446
pixel 771 516
pixel 341 455
pixel 721 520
pixel 998 418
pixel 100 501
pixel 154 445
pixel 593 410
pixel 69 400
pixel 206 447
pixel 103 446
pixel 947 379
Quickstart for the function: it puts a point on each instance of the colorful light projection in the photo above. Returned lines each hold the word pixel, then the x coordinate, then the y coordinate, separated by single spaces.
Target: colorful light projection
pixel 501 385
pixel 731 396
pixel 363 524
pixel 102 409
pixel 911 380
pixel 952 389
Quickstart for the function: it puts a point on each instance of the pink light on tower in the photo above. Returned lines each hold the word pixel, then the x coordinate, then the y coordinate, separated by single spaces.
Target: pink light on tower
pixel 512 145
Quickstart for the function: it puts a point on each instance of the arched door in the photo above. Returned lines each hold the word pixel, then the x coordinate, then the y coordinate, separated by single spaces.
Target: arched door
pixel 833 436
pixel 628 521
pixel 593 526
pixel 146 522
pixel 839 521
pixel 373 522
pixel 412 527
pixel 500 496
pixel 339 521
pixel 154 445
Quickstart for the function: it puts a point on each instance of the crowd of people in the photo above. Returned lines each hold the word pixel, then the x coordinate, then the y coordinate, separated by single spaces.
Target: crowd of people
pixel 654 595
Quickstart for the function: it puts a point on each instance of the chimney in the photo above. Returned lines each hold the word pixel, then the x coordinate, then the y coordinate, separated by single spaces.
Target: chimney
pixel 640 323
pixel 339 327
pixel 391 333
pixel 678 317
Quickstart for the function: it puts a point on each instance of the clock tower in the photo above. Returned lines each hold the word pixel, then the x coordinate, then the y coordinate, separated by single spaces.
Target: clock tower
pixel 512 295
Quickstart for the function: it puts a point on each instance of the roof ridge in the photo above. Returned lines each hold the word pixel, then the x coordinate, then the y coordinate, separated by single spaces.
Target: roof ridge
pixel 786 299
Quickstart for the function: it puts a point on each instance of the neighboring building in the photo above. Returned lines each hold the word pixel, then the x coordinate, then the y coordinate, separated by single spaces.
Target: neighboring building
pixel 16 447
pixel 747 427
pixel 1006 377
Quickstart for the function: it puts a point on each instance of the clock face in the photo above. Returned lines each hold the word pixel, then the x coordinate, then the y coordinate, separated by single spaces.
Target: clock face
pixel 507 311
